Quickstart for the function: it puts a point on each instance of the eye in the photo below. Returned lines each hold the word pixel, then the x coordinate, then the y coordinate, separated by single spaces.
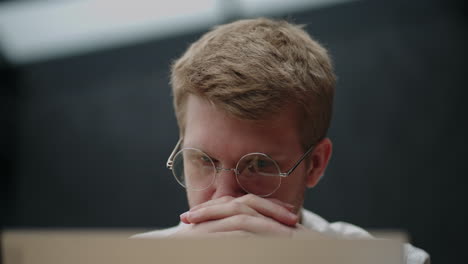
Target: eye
pixel 205 159
pixel 259 164
pixel 264 163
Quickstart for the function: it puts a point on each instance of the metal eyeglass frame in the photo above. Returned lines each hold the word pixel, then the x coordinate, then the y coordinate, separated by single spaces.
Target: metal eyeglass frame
pixel 170 161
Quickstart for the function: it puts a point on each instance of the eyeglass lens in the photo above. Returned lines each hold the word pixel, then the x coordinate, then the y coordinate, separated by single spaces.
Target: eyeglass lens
pixel 256 173
pixel 193 169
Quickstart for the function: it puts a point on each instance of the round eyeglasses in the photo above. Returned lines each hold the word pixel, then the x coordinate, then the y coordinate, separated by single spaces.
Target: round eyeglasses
pixel 256 173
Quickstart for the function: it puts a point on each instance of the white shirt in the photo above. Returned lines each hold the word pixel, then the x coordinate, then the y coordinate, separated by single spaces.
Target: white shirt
pixel 312 221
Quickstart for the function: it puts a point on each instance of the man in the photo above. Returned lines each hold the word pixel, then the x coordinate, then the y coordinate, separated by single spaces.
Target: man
pixel 253 101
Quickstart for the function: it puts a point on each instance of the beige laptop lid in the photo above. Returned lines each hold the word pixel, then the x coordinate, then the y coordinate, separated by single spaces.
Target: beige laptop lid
pixel 54 247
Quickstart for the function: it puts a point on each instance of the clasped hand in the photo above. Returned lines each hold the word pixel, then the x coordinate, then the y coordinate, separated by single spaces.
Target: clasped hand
pixel 243 216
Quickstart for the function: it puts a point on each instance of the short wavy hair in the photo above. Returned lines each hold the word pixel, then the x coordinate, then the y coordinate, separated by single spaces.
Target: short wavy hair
pixel 253 68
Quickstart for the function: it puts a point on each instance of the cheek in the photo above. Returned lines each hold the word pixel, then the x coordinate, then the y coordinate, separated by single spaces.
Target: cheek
pixel 296 179
pixel 293 187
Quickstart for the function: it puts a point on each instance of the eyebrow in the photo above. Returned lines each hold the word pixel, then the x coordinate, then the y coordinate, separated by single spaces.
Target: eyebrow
pixel 276 155
pixel 279 157
pixel 200 148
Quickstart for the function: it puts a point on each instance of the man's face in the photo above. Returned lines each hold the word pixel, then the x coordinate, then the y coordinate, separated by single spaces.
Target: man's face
pixel 226 139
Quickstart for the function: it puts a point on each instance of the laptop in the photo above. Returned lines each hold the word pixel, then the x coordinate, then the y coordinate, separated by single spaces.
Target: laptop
pixel 98 246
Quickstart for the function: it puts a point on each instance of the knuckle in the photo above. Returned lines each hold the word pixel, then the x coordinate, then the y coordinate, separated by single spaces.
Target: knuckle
pixel 236 207
pixel 226 198
pixel 239 220
pixel 248 198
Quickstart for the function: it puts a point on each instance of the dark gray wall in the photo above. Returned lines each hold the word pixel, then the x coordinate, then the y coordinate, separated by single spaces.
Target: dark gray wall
pixel 85 139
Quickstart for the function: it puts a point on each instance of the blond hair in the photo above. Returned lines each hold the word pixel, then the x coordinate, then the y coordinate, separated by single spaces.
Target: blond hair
pixel 254 68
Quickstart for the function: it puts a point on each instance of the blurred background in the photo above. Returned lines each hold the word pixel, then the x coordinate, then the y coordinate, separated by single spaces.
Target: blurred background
pixel 86 118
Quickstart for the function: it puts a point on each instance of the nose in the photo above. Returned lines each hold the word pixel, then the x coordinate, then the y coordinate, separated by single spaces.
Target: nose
pixel 226 184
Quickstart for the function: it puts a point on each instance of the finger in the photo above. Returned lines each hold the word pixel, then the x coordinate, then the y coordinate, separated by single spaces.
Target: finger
pixel 245 223
pixel 270 209
pixel 288 206
pixel 183 218
pixel 219 211
pixel 223 199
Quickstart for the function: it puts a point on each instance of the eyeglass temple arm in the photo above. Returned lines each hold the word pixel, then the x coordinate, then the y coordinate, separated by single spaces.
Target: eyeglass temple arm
pixel 171 157
pixel 284 174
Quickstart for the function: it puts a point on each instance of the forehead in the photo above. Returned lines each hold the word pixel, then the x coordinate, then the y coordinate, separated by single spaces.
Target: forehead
pixel 210 128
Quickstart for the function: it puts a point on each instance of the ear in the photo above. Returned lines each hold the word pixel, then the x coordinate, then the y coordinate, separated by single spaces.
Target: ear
pixel 318 161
